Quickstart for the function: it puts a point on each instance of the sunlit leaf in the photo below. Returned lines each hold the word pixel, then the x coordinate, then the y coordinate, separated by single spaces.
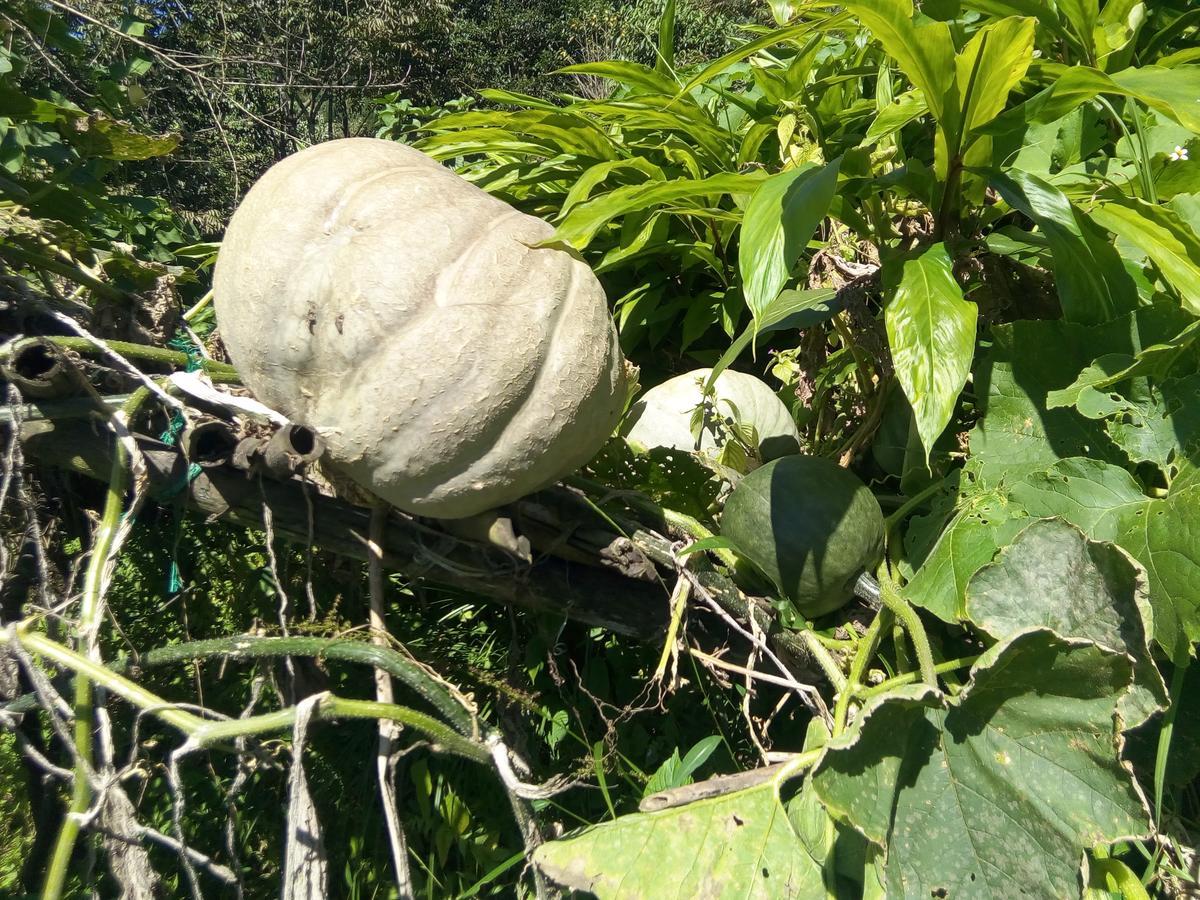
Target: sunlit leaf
pixel 998 791
pixel 585 220
pixel 1084 589
pixel 924 52
pixel 1161 234
pixel 624 72
pixel 778 224
pixel 931 332
pixel 740 845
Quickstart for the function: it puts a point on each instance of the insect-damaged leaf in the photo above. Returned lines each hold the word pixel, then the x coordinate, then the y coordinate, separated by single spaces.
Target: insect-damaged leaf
pixel 998 791
pixel 740 845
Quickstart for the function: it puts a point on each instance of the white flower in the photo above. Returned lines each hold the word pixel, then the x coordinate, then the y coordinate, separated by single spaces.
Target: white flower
pixel 1179 154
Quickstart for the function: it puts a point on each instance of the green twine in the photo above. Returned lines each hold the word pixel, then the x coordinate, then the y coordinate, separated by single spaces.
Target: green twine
pixel 183 343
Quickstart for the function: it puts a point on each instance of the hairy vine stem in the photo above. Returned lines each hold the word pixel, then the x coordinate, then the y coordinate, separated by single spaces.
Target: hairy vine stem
pixel 203 733
pixel 109 535
pixel 889 595
pixel 858 667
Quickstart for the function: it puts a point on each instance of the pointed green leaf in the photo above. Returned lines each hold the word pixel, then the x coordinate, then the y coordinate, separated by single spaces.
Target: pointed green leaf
pixel 1172 92
pixel 999 791
pixel 790 34
pixel 585 220
pixel 908 107
pixel 629 73
pixel 665 60
pixel 1083 16
pixel 1092 282
pixel 789 310
pixel 925 53
pixel 1162 235
pixel 999 55
pixel 931 332
pixel 779 222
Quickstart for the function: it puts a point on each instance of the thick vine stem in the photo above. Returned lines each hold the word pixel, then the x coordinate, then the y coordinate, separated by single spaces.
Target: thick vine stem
pixel 207 733
pixel 91 611
pixel 396 664
pixel 889 595
pixel 858 667
pixel 944 668
pixel 220 372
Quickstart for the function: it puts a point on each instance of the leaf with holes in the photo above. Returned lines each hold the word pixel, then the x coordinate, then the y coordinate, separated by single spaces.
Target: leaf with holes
pixel 741 845
pixel 998 791
pixel 1162 534
pixel 1084 589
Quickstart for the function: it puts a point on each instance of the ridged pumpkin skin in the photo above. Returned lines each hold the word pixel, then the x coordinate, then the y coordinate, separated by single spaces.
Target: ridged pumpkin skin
pixel 662 417
pixel 810 525
pixel 451 366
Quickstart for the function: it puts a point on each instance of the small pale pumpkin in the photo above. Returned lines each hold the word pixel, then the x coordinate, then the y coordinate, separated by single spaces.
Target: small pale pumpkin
pixel 662 417
pixel 450 364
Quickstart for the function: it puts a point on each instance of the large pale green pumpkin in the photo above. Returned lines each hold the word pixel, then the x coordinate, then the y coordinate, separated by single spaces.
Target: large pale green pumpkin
pixel 662 417
pixel 450 363
pixel 810 526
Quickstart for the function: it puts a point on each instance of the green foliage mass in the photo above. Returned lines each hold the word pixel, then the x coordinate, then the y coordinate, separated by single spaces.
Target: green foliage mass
pixel 963 240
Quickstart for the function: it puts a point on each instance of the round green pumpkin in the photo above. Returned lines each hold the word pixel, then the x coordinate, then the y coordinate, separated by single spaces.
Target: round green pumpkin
pixel 809 525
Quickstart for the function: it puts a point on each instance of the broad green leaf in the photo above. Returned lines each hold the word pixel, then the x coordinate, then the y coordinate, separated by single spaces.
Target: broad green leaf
pixel 984 523
pixel 1092 283
pixel 1165 538
pixel 908 107
pixel 1162 534
pixel 585 220
pixel 1105 371
pixel 629 73
pixel 991 64
pixel 1158 423
pixel 1083 16
pixel 779 222
pixel 1172 92
pixel 1090 494
pixel 741 845
pixel 925 53
pixel 1161 234
pixel 1083 589
pixel 931 332
pixel 1017 433
pixel 998 791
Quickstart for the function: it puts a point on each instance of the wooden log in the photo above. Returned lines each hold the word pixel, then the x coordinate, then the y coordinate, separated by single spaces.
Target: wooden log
pixel 590 594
